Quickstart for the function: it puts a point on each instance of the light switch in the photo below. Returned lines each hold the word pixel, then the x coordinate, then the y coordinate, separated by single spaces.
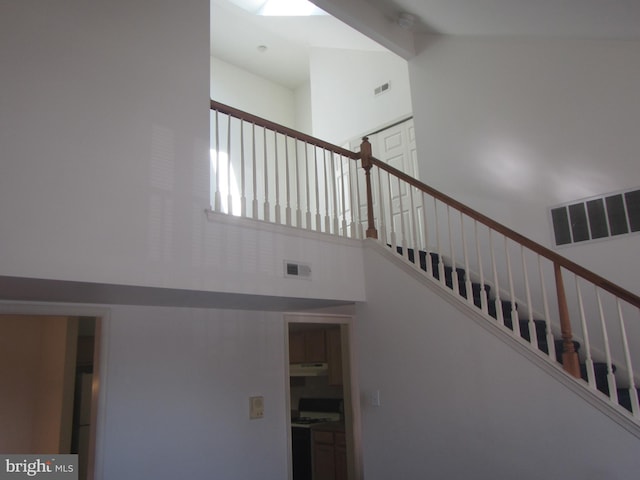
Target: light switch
pixel 256 407
pixel 374 398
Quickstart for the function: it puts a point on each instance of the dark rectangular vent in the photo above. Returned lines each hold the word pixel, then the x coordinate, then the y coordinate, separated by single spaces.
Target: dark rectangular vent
pixel 601 217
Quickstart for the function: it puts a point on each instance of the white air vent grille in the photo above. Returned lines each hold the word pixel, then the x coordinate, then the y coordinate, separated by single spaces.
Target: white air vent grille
pixel 297 270
pixel 382 88
pixel 599 217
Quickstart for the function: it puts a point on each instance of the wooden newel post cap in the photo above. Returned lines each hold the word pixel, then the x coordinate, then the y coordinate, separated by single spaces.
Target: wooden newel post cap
pixel 365 152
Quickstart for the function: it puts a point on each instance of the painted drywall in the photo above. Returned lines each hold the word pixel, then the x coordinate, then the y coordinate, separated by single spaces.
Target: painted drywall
pixel 458 402
pixel 342 92
pixel 241 89
pixel 178 385
pixel 105 159
pixel 303 108
pixel 515 126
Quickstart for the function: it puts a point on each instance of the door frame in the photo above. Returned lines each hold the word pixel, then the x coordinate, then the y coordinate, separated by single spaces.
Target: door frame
pixel 350 385
pixel 95 468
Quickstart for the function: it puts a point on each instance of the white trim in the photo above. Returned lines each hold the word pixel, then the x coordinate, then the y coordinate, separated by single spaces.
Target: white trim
pixel 263 226
pixel 79 310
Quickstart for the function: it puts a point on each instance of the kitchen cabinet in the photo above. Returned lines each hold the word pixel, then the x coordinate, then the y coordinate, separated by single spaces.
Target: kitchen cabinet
pixel 334 355
pixel 329 453
pixel 307 346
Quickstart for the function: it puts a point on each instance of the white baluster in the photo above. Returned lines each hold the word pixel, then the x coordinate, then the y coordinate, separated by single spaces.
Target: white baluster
pixel 254 203
pixel 611 379
pixel 496 281
pixel 413 227
pixel 298 199
pixel 318 216
pixel 355 199
pixel 334 185
pixel 383 226
pixel 465 252
pixel 515 320
pixel 454 271
pixel 533 333
pixel 440 261
pixel 229 168
pixel 327 205
pixel 306 172
pixel 405 250
pixel 591 374
pixel 633 392
pixel 547 317
pixel 267 207
pixel 217 203
pixel 344 204
pixel 425 227
pixel 392 225
pixel 276 159
pixel 243 195
pixel 288 181
pixel 484 298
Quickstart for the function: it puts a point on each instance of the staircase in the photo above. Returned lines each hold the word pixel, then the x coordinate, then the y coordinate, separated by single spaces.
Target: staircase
pixel 508 312
pixel 271 173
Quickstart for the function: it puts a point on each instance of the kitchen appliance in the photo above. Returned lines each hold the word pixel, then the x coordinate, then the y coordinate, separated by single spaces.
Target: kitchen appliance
pixel 311 411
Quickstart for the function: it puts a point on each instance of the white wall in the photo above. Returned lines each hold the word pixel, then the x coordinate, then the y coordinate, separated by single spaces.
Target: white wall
pixel 241 89
pixel 105 157
pixel 178 385
pixel 512 127
pixel 303 108
pixel 457 402
pixel 342 86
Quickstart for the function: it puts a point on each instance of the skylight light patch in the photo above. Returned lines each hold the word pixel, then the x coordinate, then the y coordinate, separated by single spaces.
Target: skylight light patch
pixel 289 8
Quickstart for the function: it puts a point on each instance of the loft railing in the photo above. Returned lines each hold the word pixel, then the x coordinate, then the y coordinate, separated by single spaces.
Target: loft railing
pixel 268 172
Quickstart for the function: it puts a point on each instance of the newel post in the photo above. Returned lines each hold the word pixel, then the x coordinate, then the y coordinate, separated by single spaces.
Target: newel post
pixel 570 361
pixel 365 156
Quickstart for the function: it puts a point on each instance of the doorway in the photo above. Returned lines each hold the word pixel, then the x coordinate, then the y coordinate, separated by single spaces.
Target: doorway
pixel 319 371
pixel 48 367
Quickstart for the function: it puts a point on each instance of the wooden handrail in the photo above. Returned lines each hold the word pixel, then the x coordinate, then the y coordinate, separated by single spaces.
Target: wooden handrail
pixel 557 259
pixel 290 132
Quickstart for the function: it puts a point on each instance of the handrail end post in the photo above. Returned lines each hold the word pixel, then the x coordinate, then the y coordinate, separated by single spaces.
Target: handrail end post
pixel 571 363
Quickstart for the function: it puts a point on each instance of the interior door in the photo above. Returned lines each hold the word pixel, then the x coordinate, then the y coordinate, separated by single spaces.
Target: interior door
pixel 396 146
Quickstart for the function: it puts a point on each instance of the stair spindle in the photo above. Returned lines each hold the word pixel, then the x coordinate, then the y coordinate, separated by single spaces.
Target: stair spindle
pixel 484 297
pixel 611 379
pixel 229 168
pixel 465 253
pixel 533 333
pixel 496 282
pixel 217 202
pixel 570 361
pixel 308 190
pixel 276 160
pixel 515 320
pixel 591 374
pixel 318 216
pixel 243 194
pixel 266 176
pixel 327 205
pixel 454 271
pixel 551 345
pixel 287 182
pixel 633 391
pixel 254 203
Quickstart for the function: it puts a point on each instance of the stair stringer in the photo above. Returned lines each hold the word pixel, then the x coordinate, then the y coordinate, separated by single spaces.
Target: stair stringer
pixel 554 369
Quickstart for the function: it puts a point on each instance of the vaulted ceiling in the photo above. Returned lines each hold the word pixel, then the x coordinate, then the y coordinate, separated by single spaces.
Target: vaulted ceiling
pixel 238 33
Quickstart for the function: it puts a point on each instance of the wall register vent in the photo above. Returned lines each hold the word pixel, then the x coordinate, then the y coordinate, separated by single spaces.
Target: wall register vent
pixel 297 270
pixel 599 217
pixel 382 88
